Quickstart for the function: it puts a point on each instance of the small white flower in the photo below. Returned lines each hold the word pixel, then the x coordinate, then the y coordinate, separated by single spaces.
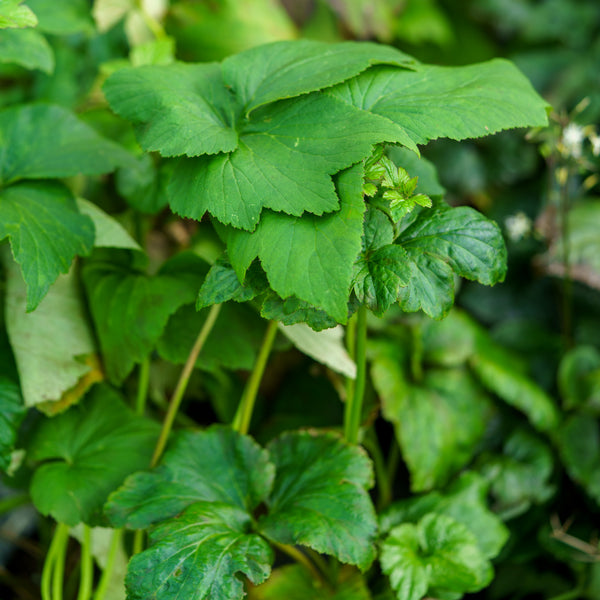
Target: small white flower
pixel 572 139
pixel 517 226
pixel 595 141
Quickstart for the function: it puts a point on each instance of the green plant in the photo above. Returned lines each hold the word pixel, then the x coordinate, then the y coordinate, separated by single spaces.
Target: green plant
pixel 296 166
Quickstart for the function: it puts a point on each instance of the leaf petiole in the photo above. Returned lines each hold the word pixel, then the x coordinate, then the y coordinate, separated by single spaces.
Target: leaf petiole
pixel 353 412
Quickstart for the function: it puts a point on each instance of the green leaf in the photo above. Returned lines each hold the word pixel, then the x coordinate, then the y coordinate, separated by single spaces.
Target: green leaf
pixel 445 239
pixel 505 375
pixel 579 378
pixel 465 501
pixel 319 497
pixel 233 342
pixel 520 476
pixel 85 453
pixel 419 167
pixel 54 345
pixel 292 310
pixel 217 466
pixel 286 156
pixel 46 232
pixel 286 69
pixel 294 582
pixel 190 99
pixel 380 277
pixel 26 47
pixel 453 102
pixel 130 309
pixel 308 257
pixel 578 441
pixel 449 342
pixel 198 556
pixel 109 232
pixel 438 555
pixel 14 14
pixel 33 150
pixel 12 413
pixel 63 17
pixel 438 421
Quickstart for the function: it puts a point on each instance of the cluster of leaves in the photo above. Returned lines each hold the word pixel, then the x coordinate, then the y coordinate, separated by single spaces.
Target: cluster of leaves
pixel 284 182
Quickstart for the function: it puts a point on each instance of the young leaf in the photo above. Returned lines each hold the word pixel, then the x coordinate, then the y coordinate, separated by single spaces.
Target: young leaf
pixel 294 582
pixel 465 501
pixel 286 156
pixel 309 257
pixel 12 413
pixel 28 212
pixel 190 99
pixel 436 556
pixel 286 69
pixel 33 150
pixel 217 466
pixel 198 556
pixel 86 453
pixel 444 239
pixel 319 497
pixel 453 102
pixel 54 345
pixel 26 47
pixel 15 14
pixel 130 309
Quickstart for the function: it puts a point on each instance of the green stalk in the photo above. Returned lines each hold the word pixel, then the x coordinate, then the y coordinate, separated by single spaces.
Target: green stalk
pixel 87 566
pixel 351 347
pixel 143 383
pixel 184 379
pixel 110 563
pixel 243 416
pixel 48 570
pixel 353 412
pixel 138 541
pixel 383 483
pixel 301 559
pixel 58 572
pixel 153 25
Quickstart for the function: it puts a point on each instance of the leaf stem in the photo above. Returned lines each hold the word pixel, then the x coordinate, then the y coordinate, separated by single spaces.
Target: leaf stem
pixel 351 348
pixel 383 484
pixel 353 412
pixel 138 541
pixel 182 383
pixel 58 571
pixel 143 382
pixel 301 559
pixel 58 539
pixel 110 563
pixel 87 566
pixel 243 415
pixel 153 25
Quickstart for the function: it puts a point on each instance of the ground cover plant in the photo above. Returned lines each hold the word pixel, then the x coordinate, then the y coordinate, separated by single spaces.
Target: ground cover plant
pixel 231 361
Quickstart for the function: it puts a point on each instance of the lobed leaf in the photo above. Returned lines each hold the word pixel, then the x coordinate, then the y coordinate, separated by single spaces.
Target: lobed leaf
pixel 319 497
pixel 85 453
pixel 15 14
pixel 453 102
pixel 198 556
pixel 27 48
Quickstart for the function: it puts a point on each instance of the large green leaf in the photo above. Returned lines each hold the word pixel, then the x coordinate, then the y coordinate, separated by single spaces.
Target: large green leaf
pixel 215 466
pixel 12 412
pixel 294 582
pixel 130 309
pixel 286 69
pixel 438 421
pixel 15 14
pixel 86 453
pixel 436 557
pixel 54 345
pixel 506 376
pixel 286 156
pixel 34 150
pixel 63 17
pixel 454 102
pixel 465 501
pixel 46 231
pixel 26 47
pixel 198 555
pixel 189 99
pixel 308 257
pixel 319 497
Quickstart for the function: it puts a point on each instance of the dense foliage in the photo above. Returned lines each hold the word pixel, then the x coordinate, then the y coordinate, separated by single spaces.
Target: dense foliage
pixel 249 340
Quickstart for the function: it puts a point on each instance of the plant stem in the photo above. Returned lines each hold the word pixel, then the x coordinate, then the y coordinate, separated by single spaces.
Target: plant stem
pixel 354 403
pixel 58 572
pixel 110 563
pixel 142 391
pixel 48 570
pixel 383 485
pixel 243 415
pixel 301 559
pixel 138 541
pixel 153 25
pixel 351 347
pixel 87 566
pixel 182 383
